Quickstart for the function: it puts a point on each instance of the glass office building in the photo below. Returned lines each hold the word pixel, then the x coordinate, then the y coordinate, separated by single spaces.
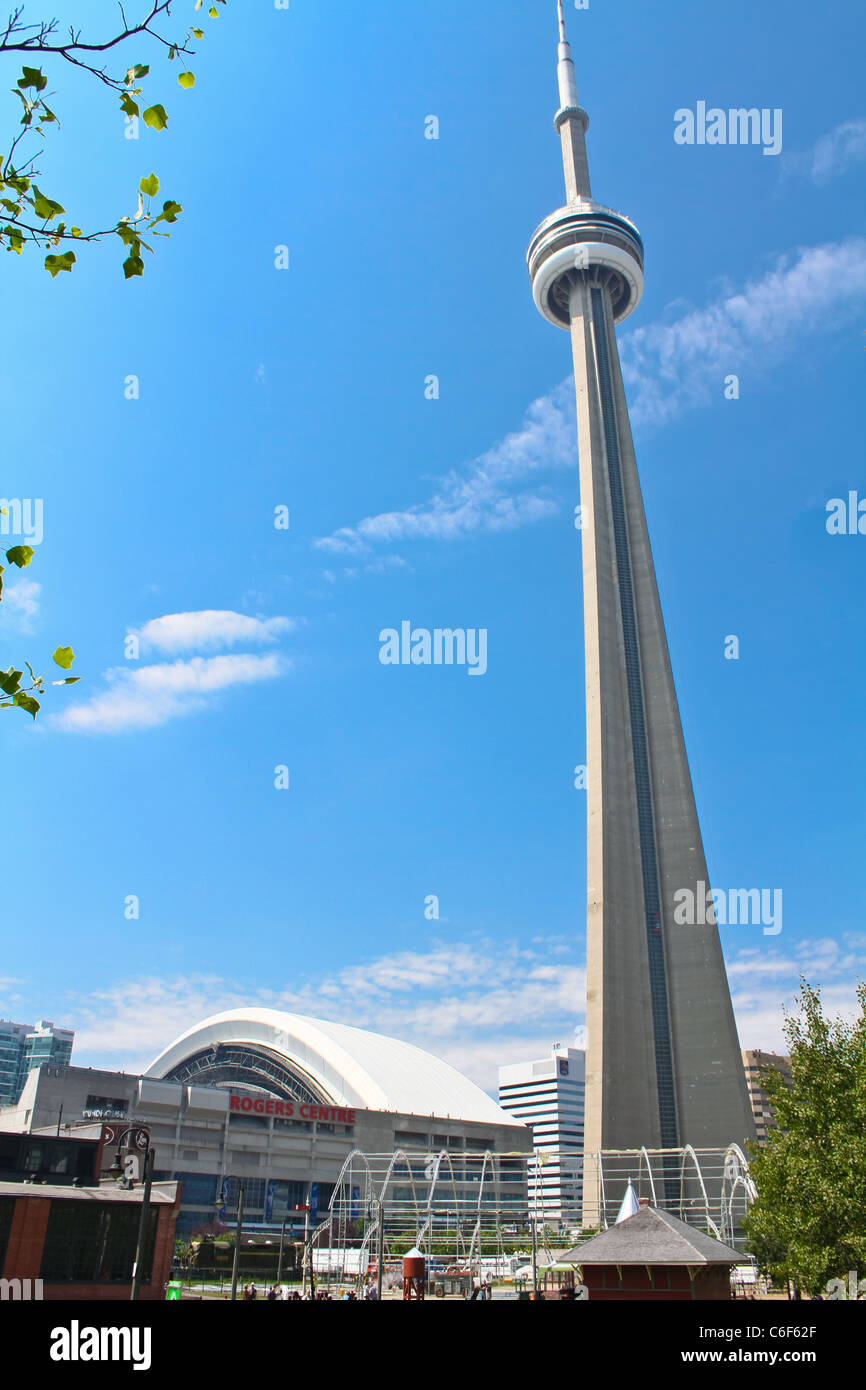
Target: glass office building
pixel 23 1047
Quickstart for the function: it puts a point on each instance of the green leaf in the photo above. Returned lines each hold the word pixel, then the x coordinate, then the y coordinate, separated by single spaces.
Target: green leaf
pixel 70 680
pixel 150 185
pixel 64 656
pixel 198 33
pixel 155 117
pixel 186 79
pixel 213 12
pixel 20 555
pixel 170 212
pixel 54 264
pixel 140 70
pixel 33 78
pixel 16 238
pixel 26 702
pixel 128 106
pixel 10 680
pixel 133 265
pixel 46 208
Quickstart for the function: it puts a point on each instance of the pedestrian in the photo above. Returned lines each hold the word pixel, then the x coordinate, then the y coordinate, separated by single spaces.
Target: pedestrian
pixel 273 1294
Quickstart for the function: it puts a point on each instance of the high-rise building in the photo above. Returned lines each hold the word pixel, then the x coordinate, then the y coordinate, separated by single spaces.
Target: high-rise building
pixel 663 1062
pixel 23 1047
pixel 548 1097
pixel 755 1062
pixel 12 1037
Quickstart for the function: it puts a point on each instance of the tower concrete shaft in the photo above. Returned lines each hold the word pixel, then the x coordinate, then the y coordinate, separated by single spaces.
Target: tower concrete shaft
pixel 663 1059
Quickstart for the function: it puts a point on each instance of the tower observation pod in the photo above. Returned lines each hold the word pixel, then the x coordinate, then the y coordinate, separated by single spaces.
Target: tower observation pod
pixel 663 1059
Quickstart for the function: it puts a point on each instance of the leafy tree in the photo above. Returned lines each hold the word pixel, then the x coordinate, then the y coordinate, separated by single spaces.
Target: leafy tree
pixel 808 1224
pixel 36 219
pixel 18 696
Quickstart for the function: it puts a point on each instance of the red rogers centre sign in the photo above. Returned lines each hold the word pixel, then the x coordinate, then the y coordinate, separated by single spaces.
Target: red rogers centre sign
pixel 290 1110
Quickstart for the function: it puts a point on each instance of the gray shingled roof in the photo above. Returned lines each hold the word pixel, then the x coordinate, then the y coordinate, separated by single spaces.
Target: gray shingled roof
pixel 652 1237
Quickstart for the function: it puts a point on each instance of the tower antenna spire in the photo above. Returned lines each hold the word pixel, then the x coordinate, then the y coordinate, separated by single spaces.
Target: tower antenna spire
pixel 566 73
pixel 571 120
pixel 563 38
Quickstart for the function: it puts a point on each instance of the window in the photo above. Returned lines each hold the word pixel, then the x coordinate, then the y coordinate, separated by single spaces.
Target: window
pixel 408 1139
pixel 199 1189
pixel 7 1206
pixel 288 1195
pixel 105 1108
pixel 94 1243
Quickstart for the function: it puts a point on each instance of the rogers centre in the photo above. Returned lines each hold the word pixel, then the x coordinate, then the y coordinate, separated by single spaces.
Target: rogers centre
pixel 277 1100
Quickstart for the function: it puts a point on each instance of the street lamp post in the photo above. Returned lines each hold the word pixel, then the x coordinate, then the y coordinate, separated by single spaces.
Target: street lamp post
pixel 534 1219
pixel 238 1233
pixel 220 1203
pixel 282 1240
pixel 140 1138
pixel 143 1220
pixel 378 1207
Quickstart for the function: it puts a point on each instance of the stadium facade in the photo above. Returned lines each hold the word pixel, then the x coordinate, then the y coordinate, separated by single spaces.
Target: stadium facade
pixel 278 1102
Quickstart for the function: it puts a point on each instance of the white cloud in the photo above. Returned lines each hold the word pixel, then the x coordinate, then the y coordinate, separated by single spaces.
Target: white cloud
pixel 477 499
pixel 208 629
pixel 669 368
pixel 766 983
pixel 21 604
pixel 477 1005
pixel 672 367
pixel 832 154
pixel 147 696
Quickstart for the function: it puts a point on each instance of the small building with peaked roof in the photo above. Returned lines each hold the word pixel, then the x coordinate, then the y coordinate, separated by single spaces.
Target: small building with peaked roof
pixel 653 1255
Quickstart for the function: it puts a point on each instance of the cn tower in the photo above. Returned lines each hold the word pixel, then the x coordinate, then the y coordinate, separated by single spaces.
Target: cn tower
pixel 663 1065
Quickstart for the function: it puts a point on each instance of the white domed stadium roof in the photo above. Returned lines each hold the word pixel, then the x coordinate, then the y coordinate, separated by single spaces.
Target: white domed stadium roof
pixel 350 1066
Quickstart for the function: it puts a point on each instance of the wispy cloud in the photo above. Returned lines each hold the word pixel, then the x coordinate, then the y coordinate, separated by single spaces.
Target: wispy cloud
pixel 831 155
pixel 478 1004
pixel 380 564
pixel 209 629
pixel 669 368
pixel 21 605
pixel 672 367
pixel 145 697
pixel 478 498
pixel 764 983
pixel 475 1004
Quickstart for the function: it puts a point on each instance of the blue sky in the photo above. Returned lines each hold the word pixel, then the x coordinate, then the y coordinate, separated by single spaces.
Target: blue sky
pixel 305 388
